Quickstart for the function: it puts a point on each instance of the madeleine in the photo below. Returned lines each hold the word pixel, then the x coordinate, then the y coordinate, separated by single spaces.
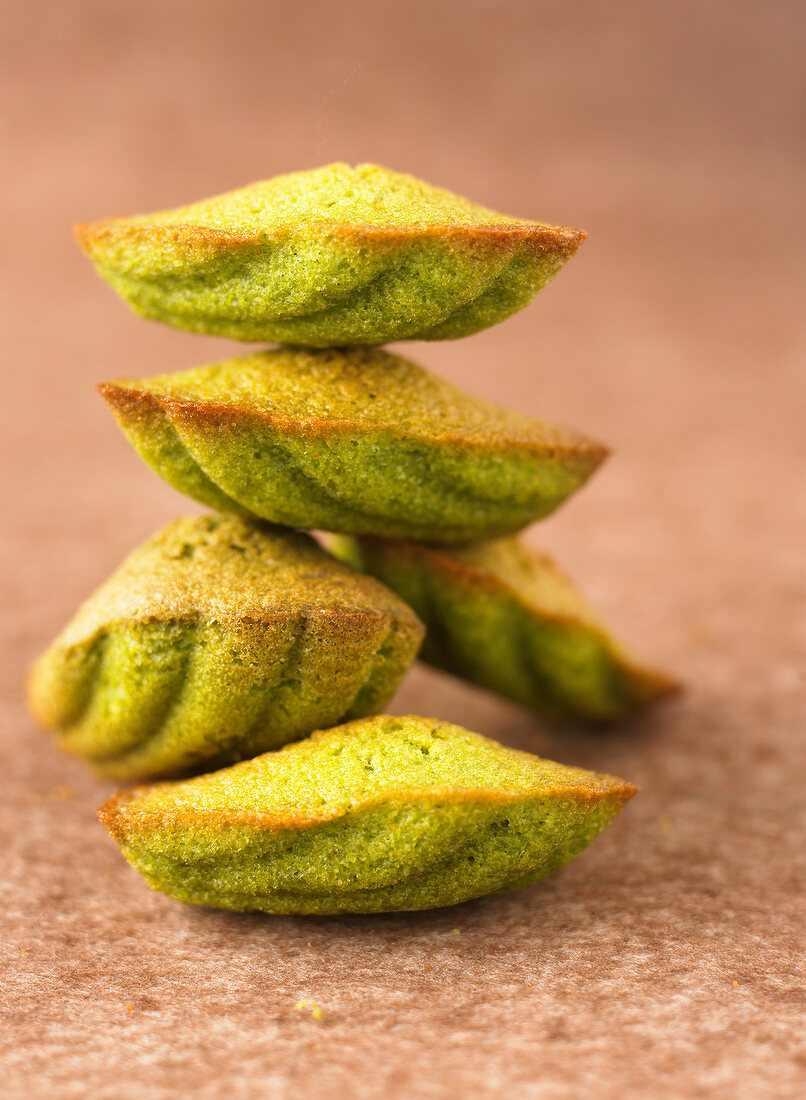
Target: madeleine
pixel 357 441
pixel 506 618
pixel 378 815
pixel 332 256
pixel 216 640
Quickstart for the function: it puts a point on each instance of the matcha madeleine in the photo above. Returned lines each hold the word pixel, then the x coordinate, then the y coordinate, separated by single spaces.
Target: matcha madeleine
pixel 218 639
pixel 377 815
pixel 506 618
pixel 337 255
pixel 355 440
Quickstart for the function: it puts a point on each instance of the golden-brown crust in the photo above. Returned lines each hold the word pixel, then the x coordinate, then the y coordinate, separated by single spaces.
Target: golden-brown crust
pixel 89 235
pixel 541 237
pixel 352 622
pixel 650 684
pixel 116 822
pixel 213 414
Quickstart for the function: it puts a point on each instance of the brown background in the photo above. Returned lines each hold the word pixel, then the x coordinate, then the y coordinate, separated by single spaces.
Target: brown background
pixel 665 961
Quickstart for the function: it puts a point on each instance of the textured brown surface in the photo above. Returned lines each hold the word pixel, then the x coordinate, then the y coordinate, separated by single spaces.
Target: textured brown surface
pixel 667 961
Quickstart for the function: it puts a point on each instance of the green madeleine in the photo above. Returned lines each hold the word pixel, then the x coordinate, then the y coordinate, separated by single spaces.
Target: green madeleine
pixel 506 618
pixel 378 815
pixel 218 639
pixel 332 256
pixel 350 440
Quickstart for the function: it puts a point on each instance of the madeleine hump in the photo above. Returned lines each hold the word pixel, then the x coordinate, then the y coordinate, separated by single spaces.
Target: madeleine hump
pixel 357 441
pixel 218 639
pixel 508 619
pixel 332 256
pixel 382 814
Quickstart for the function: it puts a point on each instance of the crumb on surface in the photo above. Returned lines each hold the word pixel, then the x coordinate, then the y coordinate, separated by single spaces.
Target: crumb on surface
pixel 316 1010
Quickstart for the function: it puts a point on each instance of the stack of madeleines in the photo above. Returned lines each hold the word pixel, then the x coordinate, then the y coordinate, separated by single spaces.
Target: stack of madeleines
pixel 229 638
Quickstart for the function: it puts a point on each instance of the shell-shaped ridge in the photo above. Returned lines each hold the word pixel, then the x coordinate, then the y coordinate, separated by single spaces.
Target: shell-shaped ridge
pixel 353 441
pixel 330 257
pixel 218 639
pixel 507 619
pixel 380 814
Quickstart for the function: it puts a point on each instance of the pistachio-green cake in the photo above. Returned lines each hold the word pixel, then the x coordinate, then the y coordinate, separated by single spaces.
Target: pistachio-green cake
pixel 216 640
pixel 333 256
pixel 350 440
pixel 380 814
pixel 506 618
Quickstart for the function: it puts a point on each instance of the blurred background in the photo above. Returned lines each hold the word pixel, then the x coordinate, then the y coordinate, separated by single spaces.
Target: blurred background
pixel 674 134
